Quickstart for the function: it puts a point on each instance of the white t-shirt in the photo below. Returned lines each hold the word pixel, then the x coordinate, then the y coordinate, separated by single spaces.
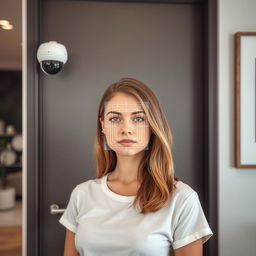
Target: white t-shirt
pixel 104 224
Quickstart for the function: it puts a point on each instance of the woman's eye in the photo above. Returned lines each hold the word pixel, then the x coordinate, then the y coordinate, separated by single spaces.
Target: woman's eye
pixel 141 118
pixel 110 119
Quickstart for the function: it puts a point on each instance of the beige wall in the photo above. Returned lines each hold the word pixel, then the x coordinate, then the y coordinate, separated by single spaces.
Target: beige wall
pixel 237 187
pixel 11 40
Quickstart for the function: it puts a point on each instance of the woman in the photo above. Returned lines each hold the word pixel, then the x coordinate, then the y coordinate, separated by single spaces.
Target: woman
pixel 135 206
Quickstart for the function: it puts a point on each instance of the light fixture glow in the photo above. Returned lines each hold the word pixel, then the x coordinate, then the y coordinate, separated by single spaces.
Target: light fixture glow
pixel 7 27
pixel 4 22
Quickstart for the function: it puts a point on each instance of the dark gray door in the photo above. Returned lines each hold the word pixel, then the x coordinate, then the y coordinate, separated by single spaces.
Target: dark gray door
pixel 160 44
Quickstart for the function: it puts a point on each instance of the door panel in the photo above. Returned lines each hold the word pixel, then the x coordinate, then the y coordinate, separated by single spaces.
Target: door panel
pixel 159 44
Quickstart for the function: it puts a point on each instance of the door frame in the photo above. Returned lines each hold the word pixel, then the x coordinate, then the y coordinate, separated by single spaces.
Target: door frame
pixel 32 135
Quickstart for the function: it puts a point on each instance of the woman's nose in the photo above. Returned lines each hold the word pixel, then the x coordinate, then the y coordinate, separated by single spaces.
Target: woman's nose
pixel 127 125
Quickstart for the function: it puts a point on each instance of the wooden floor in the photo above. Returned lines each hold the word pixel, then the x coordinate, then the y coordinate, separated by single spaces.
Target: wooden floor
pixel 10 240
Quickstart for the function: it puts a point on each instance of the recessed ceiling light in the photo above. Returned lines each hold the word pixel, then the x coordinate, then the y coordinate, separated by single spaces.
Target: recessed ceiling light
pixel 4 22
pixel 7 27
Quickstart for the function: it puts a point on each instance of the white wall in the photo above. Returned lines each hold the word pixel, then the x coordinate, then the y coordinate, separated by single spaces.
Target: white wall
pixel 237 187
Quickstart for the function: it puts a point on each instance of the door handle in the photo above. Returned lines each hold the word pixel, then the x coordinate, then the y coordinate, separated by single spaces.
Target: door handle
pixel 54 209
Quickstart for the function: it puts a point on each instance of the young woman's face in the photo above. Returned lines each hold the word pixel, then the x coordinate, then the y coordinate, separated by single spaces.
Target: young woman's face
pixel 122 123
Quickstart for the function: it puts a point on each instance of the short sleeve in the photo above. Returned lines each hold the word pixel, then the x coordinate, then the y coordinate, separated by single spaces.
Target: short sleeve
pixel 191 224
pixel 68 218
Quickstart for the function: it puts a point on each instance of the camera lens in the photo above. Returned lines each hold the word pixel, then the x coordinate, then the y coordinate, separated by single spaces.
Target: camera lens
pixel 51 67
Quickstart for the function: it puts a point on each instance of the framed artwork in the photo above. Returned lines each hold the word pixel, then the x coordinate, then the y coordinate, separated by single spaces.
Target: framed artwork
pixel 245 100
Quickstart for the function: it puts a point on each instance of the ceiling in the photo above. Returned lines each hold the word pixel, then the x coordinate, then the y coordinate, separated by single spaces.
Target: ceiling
pixel 11 40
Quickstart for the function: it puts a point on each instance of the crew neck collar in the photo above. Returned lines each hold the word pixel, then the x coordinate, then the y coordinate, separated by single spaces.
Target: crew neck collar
pixel 113 195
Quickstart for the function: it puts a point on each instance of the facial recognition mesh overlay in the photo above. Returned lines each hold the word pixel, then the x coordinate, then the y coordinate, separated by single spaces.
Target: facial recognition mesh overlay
pixel 126 115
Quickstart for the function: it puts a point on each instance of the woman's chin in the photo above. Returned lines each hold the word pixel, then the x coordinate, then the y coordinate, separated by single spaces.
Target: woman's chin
pixel 127 151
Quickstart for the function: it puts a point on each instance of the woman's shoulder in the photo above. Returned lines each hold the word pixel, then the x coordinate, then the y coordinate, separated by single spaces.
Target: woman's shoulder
pixel 88 184
pixel 182 191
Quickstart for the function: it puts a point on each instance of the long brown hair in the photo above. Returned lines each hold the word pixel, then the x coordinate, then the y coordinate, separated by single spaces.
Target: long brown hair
pixel 157 167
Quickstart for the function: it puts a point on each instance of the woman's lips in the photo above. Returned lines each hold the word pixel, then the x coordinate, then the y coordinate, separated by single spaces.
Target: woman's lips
pixel 126 142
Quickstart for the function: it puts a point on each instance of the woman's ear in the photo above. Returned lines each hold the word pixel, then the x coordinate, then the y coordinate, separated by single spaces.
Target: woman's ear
pixel 102 124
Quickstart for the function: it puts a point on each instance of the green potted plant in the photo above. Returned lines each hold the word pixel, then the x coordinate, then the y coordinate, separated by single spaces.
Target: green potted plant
pixel 3 177
pixel 7 193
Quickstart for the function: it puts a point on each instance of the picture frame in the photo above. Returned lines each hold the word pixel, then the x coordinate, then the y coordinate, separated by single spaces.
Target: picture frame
pixel 245 100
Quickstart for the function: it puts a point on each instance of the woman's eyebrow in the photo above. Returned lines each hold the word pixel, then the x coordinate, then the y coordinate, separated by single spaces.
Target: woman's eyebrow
pixel 118 113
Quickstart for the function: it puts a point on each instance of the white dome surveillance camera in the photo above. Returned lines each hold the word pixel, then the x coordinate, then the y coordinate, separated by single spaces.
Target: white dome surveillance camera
pixel 52 56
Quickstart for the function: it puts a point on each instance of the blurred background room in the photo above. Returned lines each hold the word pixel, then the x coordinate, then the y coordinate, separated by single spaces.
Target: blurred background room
pixel 10 128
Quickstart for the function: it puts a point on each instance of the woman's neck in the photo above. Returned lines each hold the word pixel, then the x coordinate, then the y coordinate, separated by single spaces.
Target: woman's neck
pixel 126 170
